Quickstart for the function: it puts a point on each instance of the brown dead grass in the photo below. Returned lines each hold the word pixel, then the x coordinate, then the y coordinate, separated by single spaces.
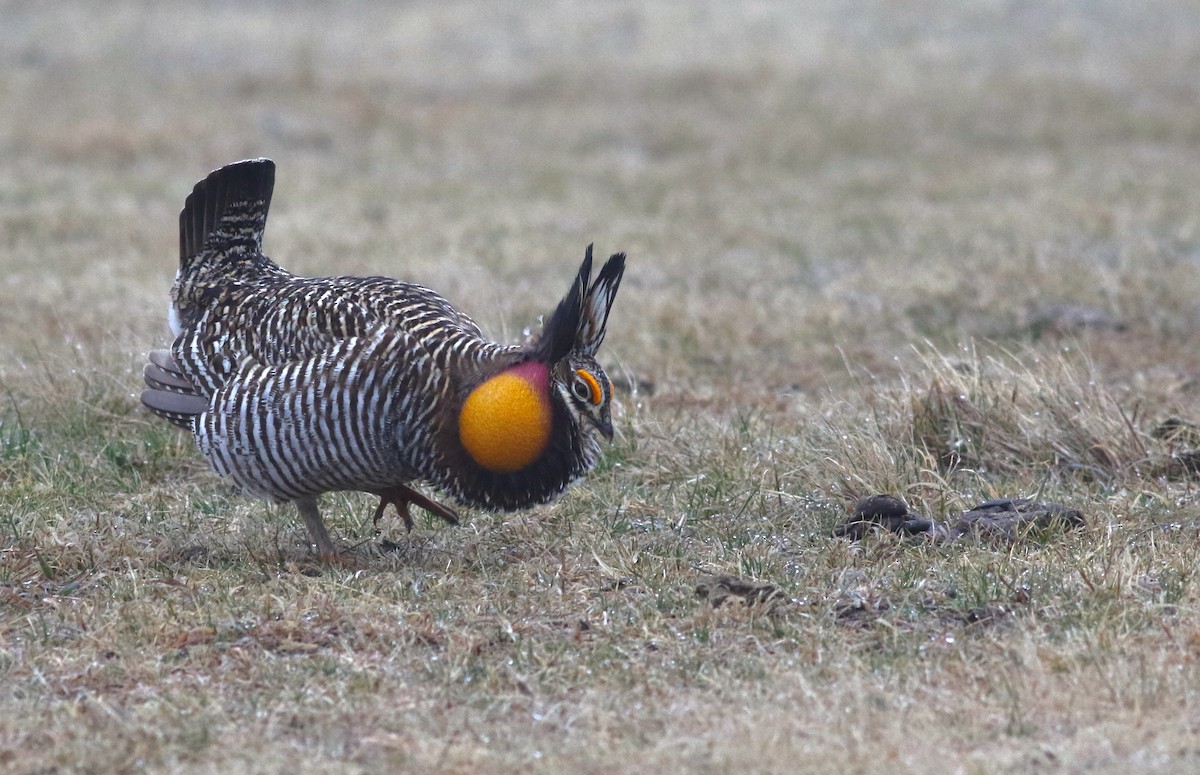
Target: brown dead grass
pixel 947 252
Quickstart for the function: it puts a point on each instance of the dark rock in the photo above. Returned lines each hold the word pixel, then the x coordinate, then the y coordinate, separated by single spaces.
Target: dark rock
pixel 1010 519
pixel 876 511
pixel 1006 519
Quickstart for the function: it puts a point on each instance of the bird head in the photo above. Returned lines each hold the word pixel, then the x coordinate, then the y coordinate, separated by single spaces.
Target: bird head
pixel 507 422
pixel 586 390
pixel 571 338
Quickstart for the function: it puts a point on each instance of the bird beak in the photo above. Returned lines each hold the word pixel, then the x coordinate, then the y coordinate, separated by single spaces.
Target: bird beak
pixel 604 425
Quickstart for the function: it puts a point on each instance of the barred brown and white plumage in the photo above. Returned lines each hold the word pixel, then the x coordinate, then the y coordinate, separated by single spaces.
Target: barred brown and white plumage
pixel 298 386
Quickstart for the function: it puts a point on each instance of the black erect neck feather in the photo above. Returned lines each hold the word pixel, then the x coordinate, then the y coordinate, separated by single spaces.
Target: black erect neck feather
pixel 560 331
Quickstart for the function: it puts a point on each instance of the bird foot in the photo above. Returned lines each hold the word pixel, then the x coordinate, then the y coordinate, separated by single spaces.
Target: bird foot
pixel 401 496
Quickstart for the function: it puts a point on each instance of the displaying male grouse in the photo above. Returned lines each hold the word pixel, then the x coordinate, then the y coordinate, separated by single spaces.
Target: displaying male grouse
pixel 297 386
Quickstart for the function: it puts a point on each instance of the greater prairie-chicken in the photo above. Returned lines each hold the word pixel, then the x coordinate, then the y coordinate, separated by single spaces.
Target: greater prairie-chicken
pixel 297 386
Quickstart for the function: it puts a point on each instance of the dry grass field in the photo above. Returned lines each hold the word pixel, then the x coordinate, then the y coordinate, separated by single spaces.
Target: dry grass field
pixel 947 251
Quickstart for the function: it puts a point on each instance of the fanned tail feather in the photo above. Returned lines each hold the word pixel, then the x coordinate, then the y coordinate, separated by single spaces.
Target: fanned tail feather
pixel 168 393
pixel 161 373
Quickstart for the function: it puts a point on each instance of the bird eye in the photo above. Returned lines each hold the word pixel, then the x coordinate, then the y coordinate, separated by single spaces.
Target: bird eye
pixel 586 388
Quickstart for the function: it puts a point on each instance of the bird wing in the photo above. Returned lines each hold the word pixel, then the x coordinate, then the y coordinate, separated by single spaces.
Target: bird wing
pixel 304 317
pixel 295 324
pixel 206 354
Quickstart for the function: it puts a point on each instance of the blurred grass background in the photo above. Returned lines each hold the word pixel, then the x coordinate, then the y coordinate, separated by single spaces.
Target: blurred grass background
pixel 835 213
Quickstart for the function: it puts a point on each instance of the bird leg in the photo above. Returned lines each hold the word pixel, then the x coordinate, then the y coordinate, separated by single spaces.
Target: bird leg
pixel 316 529
pixel 400 496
